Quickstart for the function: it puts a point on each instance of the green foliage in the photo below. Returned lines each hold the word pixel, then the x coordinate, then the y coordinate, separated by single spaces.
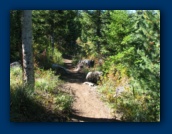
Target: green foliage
pixel 15 77
pixel 46 80
pixel 93 25
pixel 51 28
pixel 45 103
pixel 19 101
pixel 75 59
pixel 88 48
pixel 15 35
pixel 129 43
pixel 119 26
pixel 64 102
pixel 138 106
pixel 56 56
pixel 138 57
pixel 56 29
pixel 47 58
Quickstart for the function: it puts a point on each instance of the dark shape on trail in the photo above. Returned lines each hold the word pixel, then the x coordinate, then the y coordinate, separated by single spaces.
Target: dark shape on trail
pixel 76 118
pixel 15 64
pixel 87 62
pixel 94 76
pixel 60 69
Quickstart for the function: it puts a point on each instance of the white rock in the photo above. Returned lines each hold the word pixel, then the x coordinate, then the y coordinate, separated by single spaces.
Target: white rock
pixel 89 83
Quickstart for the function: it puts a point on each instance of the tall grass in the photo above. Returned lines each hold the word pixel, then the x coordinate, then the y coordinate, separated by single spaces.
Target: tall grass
pixel 45 103
pixel 133 104
pixel 15 77
pixel 47 58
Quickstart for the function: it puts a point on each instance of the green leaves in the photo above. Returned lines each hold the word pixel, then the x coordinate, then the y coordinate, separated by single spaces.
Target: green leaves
pixel 137 54
pixel 39 105
pixel 56 28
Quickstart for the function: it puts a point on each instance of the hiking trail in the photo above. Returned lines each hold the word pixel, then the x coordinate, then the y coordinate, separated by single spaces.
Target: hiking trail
pixel 87 106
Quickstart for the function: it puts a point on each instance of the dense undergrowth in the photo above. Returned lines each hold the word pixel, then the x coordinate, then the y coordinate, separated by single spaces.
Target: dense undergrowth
pixel 46 57
pixel 133 95
pixel 128 44
pixel 130 50
pixel 45 103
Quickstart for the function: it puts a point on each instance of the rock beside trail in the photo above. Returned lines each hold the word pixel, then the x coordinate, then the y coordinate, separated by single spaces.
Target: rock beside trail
pixel 89 83
pixel 87 62
pixel 93 76
pixel 15 64
pixel 119 90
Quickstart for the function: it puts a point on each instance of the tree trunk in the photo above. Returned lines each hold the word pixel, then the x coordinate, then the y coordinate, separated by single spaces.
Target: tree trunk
pixel 28 68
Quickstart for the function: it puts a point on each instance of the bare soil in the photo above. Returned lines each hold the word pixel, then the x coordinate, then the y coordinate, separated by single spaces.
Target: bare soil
pixel 87 106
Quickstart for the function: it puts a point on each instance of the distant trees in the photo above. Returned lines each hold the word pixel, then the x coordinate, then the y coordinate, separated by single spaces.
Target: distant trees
pixel 28 68
pixel 129 43
pixel 120 25
pixel 56 29
pixel 93 26
pixel 15 35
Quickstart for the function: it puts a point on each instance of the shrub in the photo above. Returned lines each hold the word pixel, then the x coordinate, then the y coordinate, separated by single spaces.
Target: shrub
pixel 47 58
pixel 15 77
pixel 45 103
pixel 141 100
pixel 46 80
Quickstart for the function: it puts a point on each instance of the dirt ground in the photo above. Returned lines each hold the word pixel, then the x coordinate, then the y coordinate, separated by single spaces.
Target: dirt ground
pixel 87 106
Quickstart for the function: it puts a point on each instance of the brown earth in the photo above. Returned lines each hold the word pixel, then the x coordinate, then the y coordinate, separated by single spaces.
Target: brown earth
pixel 87 106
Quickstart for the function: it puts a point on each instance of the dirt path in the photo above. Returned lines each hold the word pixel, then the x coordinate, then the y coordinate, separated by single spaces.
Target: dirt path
pixel 87 105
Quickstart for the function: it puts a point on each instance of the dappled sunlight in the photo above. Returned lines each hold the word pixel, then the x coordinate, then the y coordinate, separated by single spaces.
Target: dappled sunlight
pixel 85 65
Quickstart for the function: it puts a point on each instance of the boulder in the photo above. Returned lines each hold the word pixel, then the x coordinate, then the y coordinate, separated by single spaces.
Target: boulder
pixel 87 62
pixel 119 90
pixel 89 83
pixel 15 64
pixel 94 76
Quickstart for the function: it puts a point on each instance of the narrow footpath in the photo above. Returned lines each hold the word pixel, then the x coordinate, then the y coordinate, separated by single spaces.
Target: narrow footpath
pixel 87 106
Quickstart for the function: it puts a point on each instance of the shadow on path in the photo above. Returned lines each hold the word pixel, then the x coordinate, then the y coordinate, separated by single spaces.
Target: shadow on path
pixel 79 77
pixel 72 77
pixel 77 118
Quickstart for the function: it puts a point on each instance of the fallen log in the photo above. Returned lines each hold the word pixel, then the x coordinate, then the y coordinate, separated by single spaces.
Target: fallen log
pixel 60 69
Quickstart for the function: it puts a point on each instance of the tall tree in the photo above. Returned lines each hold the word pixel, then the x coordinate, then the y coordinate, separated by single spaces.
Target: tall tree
pixel 28 68
pixel 91 31
pixel 119 26
pixel 98 29
pixel 57 29
pixel 136 40
pixel 15 39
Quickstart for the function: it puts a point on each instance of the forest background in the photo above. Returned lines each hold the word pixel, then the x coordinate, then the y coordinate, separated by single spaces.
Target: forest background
pixel 128 42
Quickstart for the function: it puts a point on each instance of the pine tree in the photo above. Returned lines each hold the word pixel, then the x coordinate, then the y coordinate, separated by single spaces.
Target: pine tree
pixel 15 36
pixel 145 65
pixel 119 26
pixel 56 29
pixel 93 25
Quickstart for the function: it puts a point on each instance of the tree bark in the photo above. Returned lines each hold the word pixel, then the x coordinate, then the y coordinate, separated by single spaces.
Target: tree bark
pixel 28 68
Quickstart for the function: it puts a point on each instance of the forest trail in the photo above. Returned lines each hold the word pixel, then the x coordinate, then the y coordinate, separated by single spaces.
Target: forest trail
pixel 87 106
